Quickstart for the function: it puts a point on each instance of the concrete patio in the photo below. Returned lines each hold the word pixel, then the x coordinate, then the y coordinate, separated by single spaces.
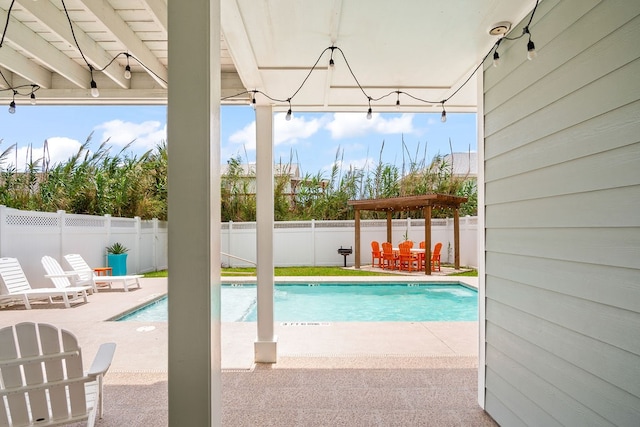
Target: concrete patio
pixel 396 373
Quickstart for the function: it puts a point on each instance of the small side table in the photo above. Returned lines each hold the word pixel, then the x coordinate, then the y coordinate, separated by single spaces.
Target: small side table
pixel 103 271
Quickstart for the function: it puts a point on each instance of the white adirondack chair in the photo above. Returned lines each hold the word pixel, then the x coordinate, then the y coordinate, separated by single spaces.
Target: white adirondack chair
pixel 16 285
pixel 42 380
pixel 86 274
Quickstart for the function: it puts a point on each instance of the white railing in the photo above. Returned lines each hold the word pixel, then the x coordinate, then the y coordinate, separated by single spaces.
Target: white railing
pixel 29 235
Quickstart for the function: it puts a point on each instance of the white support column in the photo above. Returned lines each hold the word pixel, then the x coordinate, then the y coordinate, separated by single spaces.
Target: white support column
pixel 265 346
pixel 193 133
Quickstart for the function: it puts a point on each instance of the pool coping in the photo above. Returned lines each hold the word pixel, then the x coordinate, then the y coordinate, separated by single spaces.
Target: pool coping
pixel 465 280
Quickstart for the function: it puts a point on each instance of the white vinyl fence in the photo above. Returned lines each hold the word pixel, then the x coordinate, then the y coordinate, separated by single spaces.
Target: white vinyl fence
pixel 316 243
pixel 29 235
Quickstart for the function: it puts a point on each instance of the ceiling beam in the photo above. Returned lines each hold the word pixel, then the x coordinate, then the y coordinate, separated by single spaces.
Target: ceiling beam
pixel 56 22
pixel 239 45
pixel 20 36
pixel 334 30
pixel 104 13
pixel 16 63
pixel 107 97
pixel 8 75
pixel 158 11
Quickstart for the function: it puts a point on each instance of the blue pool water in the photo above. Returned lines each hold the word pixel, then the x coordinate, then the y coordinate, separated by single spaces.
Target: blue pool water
pixel 341 303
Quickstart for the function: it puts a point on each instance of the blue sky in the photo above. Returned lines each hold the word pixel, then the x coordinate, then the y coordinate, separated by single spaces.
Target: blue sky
pixel 312 138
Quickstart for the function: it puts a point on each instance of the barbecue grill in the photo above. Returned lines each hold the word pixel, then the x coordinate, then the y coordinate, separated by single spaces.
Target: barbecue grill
pixel 345 252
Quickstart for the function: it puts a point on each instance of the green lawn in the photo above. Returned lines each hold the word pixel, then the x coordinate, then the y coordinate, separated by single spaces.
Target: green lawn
pixel 471 273
pixel 303 271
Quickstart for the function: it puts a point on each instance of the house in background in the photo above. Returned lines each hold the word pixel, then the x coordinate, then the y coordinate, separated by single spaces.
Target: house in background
pixel 244 176
pixel 463 165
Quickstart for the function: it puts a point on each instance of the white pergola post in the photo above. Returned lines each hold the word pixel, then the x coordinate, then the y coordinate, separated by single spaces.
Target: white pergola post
pixel 266 344
pixel 193 135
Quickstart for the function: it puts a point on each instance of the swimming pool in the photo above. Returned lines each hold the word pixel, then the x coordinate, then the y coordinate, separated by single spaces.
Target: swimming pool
pixel 397 302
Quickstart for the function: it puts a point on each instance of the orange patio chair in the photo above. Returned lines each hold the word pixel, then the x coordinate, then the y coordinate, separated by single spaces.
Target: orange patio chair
pixel 376 254
pixel 421 255
pixel 407 260
pixel 389 258
pixel 435 257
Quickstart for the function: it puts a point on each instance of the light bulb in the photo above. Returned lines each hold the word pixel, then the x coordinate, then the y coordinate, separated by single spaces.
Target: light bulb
pixel 369 114
pixel 288 116
pixel 12 107
pixel 33 98
pixel 496 59
pixel 94 89
pixel 331 63
pixel 398 105
pixel 127 72
pixel 531 50
pixel 443 116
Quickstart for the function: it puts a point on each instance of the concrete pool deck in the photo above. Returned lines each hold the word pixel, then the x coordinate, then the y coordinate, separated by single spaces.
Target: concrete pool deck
pixel 355 349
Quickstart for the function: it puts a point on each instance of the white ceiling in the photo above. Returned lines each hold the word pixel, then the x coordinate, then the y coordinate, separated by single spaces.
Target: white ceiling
pixel 426 48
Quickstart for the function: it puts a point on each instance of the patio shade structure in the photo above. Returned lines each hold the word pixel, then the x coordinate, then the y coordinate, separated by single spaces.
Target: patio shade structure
pixel 412 203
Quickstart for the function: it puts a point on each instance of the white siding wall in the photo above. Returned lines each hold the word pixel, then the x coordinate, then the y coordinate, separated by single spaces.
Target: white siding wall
pixel 562 205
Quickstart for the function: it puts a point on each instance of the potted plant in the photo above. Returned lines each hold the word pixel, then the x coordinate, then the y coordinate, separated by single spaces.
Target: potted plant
pixel 117 259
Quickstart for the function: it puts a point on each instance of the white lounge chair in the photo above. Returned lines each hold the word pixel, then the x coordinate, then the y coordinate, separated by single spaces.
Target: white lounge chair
pixel 43 382
pixel 16 286
pixel 60 278
pixel 86 274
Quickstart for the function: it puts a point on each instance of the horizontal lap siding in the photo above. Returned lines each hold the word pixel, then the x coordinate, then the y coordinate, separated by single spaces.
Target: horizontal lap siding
pixel 562 219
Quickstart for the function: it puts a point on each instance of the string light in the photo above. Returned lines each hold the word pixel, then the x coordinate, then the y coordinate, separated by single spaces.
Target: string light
pixel 94 87
pixel 288 116
pixel 496 56
pixel 12 105
pixel 531 47
pixel 398 100
pixel 369 115
pixel 331 62
pixel 127 69
pixel 443 116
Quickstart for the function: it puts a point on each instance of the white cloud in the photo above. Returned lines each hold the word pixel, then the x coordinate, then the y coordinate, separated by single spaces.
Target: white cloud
pixel 348 125
pixel 60 150
pixel 245 137
pixel 147 135
pixel 293 130
pixel 285 132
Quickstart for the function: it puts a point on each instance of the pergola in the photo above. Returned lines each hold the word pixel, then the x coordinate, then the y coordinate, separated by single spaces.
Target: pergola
pixel 412 203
